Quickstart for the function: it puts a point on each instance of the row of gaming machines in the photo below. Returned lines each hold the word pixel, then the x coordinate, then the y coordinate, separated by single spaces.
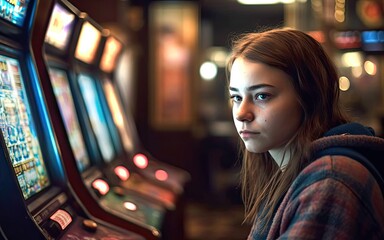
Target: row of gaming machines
pixel 71 164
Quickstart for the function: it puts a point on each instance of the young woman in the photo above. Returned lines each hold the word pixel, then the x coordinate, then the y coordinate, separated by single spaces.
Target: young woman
pixel 284 91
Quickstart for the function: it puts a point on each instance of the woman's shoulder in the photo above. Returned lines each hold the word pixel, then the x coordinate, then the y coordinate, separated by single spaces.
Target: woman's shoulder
pixel 350 173
pixel 336 166
pixel 326 198
pixel 350 153
pixel 340 177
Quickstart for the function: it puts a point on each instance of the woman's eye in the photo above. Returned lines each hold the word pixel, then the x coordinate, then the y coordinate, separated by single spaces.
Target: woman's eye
pixel 235 98
pixel 262 96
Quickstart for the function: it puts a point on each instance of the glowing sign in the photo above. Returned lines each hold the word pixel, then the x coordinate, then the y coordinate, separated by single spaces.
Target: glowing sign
pixel 373 36
pixel 109 58
pixel 88 42
pixel 373 40
pixel 60 27
pixel 347 39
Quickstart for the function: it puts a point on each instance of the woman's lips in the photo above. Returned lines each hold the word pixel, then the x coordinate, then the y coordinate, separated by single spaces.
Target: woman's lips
pixel 248 134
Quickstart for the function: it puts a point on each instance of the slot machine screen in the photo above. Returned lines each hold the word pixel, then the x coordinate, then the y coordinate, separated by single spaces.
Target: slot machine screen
pixel 96 115
pixel 67 108
pixel 110 53
pixel 14 11
pixel 88 42
pixel 118 115
pixel 60 27
pixel 19 131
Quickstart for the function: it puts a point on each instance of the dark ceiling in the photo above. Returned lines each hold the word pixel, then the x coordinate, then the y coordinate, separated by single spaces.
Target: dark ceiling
pixel 224 17
pixel 227 18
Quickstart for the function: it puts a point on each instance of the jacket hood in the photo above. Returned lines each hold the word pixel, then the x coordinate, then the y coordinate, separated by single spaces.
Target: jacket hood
pixel 352 136
pixel 350 129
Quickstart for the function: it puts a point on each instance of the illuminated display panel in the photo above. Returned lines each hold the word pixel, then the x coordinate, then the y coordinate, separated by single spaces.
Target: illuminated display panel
pixel 110 53
pixel 118 115
pixel 60 27
pixel 19 131
pixel 67 108
pixel 96 116
pixel 347 39
pixel 14 11
pixel 87 44
pixel 373 40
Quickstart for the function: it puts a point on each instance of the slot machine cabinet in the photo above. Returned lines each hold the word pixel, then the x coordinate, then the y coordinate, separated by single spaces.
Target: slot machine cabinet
pixel 159 172
pixel 162 174
pixel 124 171
pixel 92 113
pixel 38 203
pixel 100 198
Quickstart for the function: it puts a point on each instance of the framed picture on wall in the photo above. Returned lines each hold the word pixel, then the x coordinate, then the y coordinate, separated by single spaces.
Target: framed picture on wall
pixel 173 46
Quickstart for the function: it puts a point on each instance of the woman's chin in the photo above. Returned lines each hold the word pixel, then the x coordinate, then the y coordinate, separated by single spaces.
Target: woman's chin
pixel 253 149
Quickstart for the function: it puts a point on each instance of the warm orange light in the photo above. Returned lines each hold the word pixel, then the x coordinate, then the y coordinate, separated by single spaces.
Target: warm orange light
pixel 101 186
pixel 161 175
pixel 122 173
pixel 140 160
pixel 110 53
pixel 370 68
pixel 318 35
pixel 88 42
pixel 344 83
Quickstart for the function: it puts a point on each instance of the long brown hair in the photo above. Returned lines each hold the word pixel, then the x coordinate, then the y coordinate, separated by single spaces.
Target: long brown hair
pixel 315 81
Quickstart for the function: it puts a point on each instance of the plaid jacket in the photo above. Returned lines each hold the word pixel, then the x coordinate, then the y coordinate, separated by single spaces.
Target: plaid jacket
pixel 334 197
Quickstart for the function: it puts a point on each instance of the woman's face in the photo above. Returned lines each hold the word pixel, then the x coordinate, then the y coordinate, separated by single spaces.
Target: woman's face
pixel 265 109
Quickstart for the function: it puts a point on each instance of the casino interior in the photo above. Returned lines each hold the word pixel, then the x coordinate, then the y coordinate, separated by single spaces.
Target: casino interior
pixel 115 121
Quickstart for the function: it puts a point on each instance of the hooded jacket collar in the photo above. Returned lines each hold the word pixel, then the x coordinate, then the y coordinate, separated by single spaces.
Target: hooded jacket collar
pixel 353 135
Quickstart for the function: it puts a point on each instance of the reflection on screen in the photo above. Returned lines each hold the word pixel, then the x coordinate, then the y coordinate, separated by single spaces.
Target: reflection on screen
pixel 110 53
pixel 19 130
pixel 14 11
pixel 118 115
pixel 96 116
pixel 88 42
pixel 64 98
pixel 60 27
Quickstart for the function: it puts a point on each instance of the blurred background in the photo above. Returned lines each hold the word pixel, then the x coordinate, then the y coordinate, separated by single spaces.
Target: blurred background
pixel 172 79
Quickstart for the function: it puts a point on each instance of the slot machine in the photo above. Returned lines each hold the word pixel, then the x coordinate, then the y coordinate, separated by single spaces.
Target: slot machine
pixel 129 175
pixel 150 186
pixel 163 174
pixel 38 203
pixel 94 190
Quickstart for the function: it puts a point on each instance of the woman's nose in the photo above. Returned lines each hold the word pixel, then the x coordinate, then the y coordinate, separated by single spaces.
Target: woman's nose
pixel 244 112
